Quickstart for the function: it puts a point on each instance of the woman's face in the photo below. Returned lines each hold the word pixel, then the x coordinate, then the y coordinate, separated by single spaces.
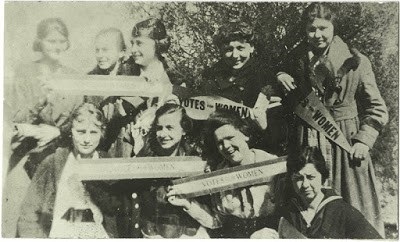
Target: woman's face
pixel 54 45
pixel 237 53
pixel 169 131
pixel 143 50
pixel 320 33
pixel 307 182
pixel 231 144
pixel 85 137
pixel 108 50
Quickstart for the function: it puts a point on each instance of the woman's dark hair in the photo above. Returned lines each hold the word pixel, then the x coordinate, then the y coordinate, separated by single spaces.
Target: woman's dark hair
pixel 120 37
pixel 234 31
pixel 45 27
pixel 216 120
pixel 155 30
pixel 152 146
pixel 186 122
pixel 318 10
pixel 298 158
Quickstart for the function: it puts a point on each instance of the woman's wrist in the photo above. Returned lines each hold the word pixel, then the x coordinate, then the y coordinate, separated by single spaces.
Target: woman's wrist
pixel 187 206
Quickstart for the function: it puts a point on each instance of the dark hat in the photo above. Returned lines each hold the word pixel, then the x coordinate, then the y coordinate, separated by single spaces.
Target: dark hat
pixel 232 31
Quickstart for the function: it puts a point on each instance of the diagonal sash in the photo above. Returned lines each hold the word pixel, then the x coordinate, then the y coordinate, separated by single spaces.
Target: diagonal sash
pixel 230 178
pixel 312 111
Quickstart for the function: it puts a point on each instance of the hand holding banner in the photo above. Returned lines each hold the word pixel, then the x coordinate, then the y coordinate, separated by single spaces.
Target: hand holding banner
pixel 229 178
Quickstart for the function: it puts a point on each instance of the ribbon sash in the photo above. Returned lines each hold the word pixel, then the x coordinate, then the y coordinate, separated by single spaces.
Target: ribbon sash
pixel 230 178
pixel 312 111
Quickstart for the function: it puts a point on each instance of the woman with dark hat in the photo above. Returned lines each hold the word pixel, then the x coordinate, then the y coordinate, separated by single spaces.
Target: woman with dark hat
pixel 240 75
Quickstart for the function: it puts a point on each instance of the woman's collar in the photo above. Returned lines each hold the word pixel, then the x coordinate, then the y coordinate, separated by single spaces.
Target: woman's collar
pixel 317 201
pixel 78 156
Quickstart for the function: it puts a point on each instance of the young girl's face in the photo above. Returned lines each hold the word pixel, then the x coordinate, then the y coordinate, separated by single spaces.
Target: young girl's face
pixel 85 137
pixel 54 45
pixel 319 33
pixel 237 53
pixel 169 131
pixel 231 144
pixel 143 50
pixel 307 182
pixel 108 50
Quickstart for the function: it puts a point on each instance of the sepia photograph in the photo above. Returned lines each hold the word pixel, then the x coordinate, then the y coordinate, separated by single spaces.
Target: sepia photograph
pixel 200 120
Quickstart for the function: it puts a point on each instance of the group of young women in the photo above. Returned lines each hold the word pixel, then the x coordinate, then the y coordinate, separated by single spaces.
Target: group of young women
pixel 55 131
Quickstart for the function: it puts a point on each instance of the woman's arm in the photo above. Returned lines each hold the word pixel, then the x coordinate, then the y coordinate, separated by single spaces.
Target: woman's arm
pixel 373 115
pixel 33 222
pixel 200 212
pixel 204 215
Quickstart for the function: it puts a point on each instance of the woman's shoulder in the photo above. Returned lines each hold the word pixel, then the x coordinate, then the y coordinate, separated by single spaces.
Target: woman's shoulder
pixel 30 69
pixel 53 162
pixel 262 155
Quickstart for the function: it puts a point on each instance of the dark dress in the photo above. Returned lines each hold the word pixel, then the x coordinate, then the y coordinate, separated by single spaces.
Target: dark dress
pixel 113 137
pixel 334 219
pixel 141 204
pixel 243 86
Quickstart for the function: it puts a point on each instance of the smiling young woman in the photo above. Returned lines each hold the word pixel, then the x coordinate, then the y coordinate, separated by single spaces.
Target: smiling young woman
pixel 243 212
pixel 57 203
pixel 344 81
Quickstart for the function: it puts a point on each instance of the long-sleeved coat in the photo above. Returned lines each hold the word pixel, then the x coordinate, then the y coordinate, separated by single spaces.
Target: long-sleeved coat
pixel 243 86
pixel 360 112
pixel 37 210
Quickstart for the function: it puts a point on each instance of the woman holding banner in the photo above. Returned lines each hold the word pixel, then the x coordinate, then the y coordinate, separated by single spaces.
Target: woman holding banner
pixel 317 212
pixel 57 204
pixel 149 44
pixel 344 82
pixel 140 205
pixel 243 212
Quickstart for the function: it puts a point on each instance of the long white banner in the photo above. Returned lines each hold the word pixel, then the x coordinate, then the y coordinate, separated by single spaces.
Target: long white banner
pixel 101 85
pixel 140 168
pixel 230 178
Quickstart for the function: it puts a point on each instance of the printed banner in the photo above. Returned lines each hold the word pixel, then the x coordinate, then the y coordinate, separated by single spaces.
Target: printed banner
pixel 230 178
pixel 315 114
pixel 102 85
pixel 140 168
pixel 201 107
